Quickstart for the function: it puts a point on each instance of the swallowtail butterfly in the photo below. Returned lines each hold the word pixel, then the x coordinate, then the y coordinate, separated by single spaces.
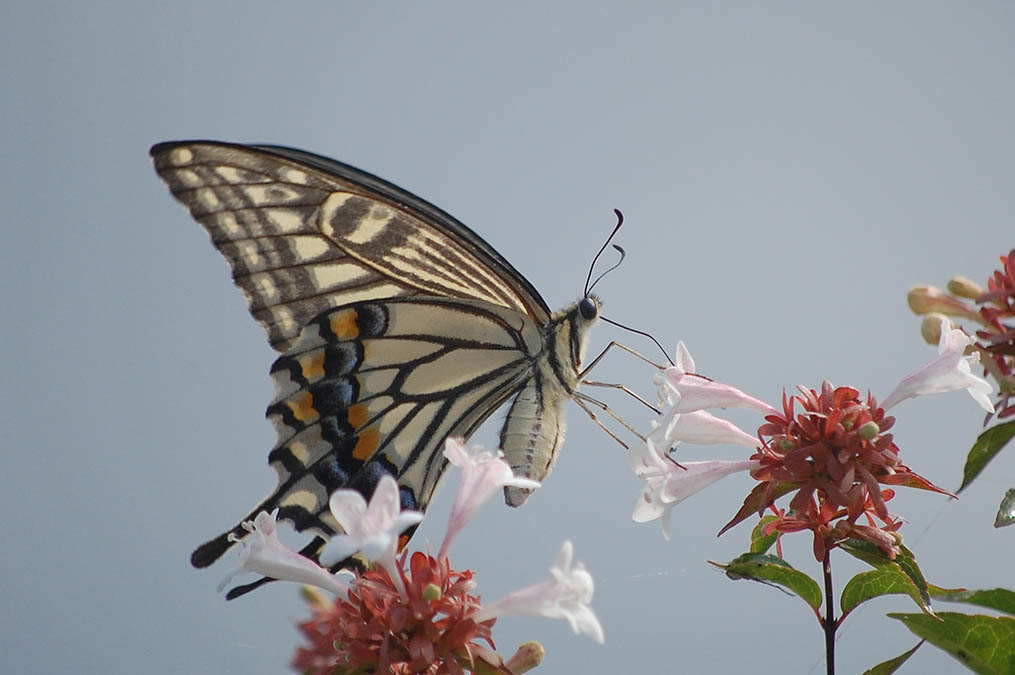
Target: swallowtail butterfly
pixel 397 326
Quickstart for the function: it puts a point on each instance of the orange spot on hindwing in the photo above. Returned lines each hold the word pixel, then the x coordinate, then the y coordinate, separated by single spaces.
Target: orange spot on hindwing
pixel 357 415
pixel 366 444
pixel 343 324
pixel 302 405
pixel 312 365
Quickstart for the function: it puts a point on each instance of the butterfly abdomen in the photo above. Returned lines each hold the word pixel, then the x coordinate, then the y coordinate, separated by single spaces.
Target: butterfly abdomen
pixel 532 433
pixel 534 428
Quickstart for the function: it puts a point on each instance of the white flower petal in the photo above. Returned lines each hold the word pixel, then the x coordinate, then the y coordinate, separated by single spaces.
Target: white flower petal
pixel 370 528
pixel 266 555
pixel 702 427
pixel 565 596
pixel 484 473
pixel 950 371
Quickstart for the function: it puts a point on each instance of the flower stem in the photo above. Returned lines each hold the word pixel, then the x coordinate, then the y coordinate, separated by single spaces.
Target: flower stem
pixel 829 623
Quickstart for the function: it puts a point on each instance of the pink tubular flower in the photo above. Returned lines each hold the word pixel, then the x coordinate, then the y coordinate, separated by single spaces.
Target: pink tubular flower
pixel 484 472
pixel 370 529
pixel 668 483
pixel 566 596
pixel 950 371
pixel 686 391
pixel 266 555
pixel 993 313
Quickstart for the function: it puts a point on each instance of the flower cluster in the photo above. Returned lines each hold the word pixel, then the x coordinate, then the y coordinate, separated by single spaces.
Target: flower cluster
pixel 413 613
pixel 834 455
pixel 375 628
pixel 993 312
pixel 830 448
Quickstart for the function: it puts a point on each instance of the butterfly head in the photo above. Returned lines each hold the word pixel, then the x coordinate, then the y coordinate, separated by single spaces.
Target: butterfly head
pixel 567 334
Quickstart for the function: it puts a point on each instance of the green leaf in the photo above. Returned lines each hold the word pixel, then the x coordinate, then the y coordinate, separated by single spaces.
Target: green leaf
pixel 987 445
pixel 907 561
pixel 1006 510
pixel 774 570
pixel 889 580
pixel 984 644
pixel 891 665
pixel 1000 599
pixel 876 558
pixel 761 542
pixel 866 552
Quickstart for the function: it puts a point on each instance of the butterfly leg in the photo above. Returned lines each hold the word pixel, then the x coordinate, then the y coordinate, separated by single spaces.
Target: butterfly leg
pixel 585 398
pixel 636 397
pixel 614 343
pixel 595 418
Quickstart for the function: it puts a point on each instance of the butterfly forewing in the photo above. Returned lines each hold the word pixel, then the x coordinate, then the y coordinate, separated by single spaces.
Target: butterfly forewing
pixel 301 239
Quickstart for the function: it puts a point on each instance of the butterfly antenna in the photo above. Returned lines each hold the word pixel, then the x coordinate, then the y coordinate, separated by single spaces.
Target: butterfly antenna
pixel 642 333
pixel 623 254
pixel 620 221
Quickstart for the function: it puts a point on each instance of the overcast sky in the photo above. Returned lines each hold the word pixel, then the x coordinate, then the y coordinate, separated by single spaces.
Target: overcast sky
pixel 786 174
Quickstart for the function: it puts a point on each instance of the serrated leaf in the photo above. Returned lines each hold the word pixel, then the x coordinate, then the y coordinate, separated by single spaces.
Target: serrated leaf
pixel 984 644
pixel 761 542
pixel 774 570
pixel 891 665
pixel 986 447
pixel 888 580
pixel 1000 599
pixel 1006 510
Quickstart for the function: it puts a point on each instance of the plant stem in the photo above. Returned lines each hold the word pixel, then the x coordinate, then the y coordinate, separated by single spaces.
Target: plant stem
pixel 829 622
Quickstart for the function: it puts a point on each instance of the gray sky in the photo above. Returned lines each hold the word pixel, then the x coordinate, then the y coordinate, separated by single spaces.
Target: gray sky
pixel 786 174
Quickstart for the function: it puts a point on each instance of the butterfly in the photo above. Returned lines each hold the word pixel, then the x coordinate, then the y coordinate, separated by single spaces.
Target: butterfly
pixel 398 326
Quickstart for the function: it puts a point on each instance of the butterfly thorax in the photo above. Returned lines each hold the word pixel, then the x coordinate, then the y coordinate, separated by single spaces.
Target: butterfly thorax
pixel 534 428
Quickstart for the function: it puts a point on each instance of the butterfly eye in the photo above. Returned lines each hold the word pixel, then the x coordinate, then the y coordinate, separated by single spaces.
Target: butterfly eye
pixel 588 309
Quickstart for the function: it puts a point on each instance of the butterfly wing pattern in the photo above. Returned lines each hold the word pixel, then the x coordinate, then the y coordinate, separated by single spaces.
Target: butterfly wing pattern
pixel 398 327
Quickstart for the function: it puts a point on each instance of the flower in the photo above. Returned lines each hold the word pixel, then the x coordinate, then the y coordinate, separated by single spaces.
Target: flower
pixel 687 391
pixel 993 310
pixel 423 617
pixel 668 483
pixel 950 371
pixel 423 623
pixel 700 427
pixel 371 529
pixel 566 596
pixel 265 554
pixel 484 472
pixel 834 456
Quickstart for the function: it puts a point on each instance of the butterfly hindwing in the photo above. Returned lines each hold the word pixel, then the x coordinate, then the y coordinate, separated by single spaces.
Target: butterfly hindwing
pixel 375 387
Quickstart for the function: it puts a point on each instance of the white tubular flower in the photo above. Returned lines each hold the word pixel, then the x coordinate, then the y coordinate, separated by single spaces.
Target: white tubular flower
pixel 686 391
pixel 566 596
pixel 484 473
pixel 266 555
pixel 950 371
pixel 371 529
pixel 667 483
